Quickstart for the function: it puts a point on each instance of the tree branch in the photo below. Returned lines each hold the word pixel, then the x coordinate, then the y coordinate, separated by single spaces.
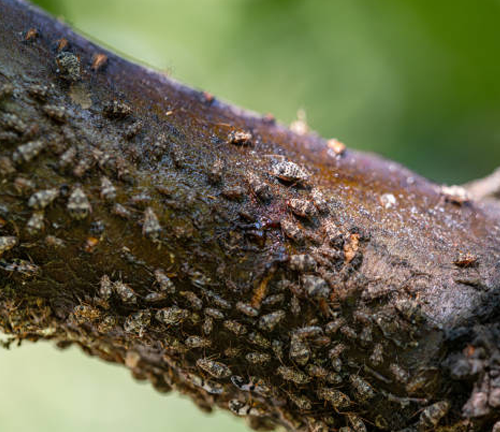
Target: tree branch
pixel 215 252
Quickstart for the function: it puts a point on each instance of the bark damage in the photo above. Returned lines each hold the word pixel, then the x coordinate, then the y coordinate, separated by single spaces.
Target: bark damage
pixel 217 253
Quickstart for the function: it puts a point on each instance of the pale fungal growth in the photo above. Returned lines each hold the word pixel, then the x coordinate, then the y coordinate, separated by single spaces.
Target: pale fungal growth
pixel 41 199
pixel 290 172
pixel 7 243
pixel 27 152
pixel 239 137
pixel 108 190
pixel 214 368
pixel 388 200
pixel 151 226
pixel 335 147
pixel 78 204
pixel 455 194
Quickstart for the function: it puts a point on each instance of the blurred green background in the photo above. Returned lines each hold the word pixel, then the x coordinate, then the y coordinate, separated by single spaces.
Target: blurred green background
pixel 414 80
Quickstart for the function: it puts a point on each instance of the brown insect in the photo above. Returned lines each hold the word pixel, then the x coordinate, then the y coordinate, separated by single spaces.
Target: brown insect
pixel 465 260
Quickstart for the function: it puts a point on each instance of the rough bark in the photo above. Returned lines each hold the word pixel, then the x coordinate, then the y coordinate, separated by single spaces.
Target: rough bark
pixel 215 252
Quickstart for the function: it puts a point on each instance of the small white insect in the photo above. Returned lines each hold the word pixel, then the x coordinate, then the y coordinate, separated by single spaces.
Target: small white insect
pixel 78 204
pixel 151 226
pixel 108 191
pixel 41 199
pixel 7 243
pixel 27 152
pixel 290 172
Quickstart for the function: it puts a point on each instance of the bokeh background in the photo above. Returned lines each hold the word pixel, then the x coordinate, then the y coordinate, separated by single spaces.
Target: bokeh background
pixel 414 80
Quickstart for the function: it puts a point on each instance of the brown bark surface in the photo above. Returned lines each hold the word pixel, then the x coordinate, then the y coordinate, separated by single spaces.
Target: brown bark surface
pixel 215 252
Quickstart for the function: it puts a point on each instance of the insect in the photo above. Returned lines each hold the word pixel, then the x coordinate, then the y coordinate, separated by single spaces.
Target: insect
pixel 7 243
pixel 315 286
pixel 126 294
pixel 68 66
pixel 214 368
pixel 357 424
pixel 302 402
pixel 259 187
pixel 27 152
pixel 257 358
pixel 259 340
pixel 116 110
pixel 290 172
pixel 105 288
pixel 431 416
pixel 197 342
pixel 268 322
pixel 99 61
pixel 164 282
pixel 303 208
pixel 336 147
pixel 208 325
pixel 292 230
pixel 302 263
pixel 35 223
pixel 242 138
pixel 172 315
pixel 108 191
pixel 56 113
pixel 455 194
pixel 194 300
pixel 377 356
pixel 338 399
pixel 78 204
pixel 137 322
pixel 299 351
pixel 246 309
pixel 41 199
pixel 214 313
pixel 465 260
pixel 363 389
pixel 151 226
pixel 235 327
pixel 294 375
pixel 67 158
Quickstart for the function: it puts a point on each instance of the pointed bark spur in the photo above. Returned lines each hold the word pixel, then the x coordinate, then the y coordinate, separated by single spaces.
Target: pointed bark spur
pixel 217 253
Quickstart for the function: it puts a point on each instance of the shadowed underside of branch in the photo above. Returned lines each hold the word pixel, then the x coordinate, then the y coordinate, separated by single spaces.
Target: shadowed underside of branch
pixel 217 253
